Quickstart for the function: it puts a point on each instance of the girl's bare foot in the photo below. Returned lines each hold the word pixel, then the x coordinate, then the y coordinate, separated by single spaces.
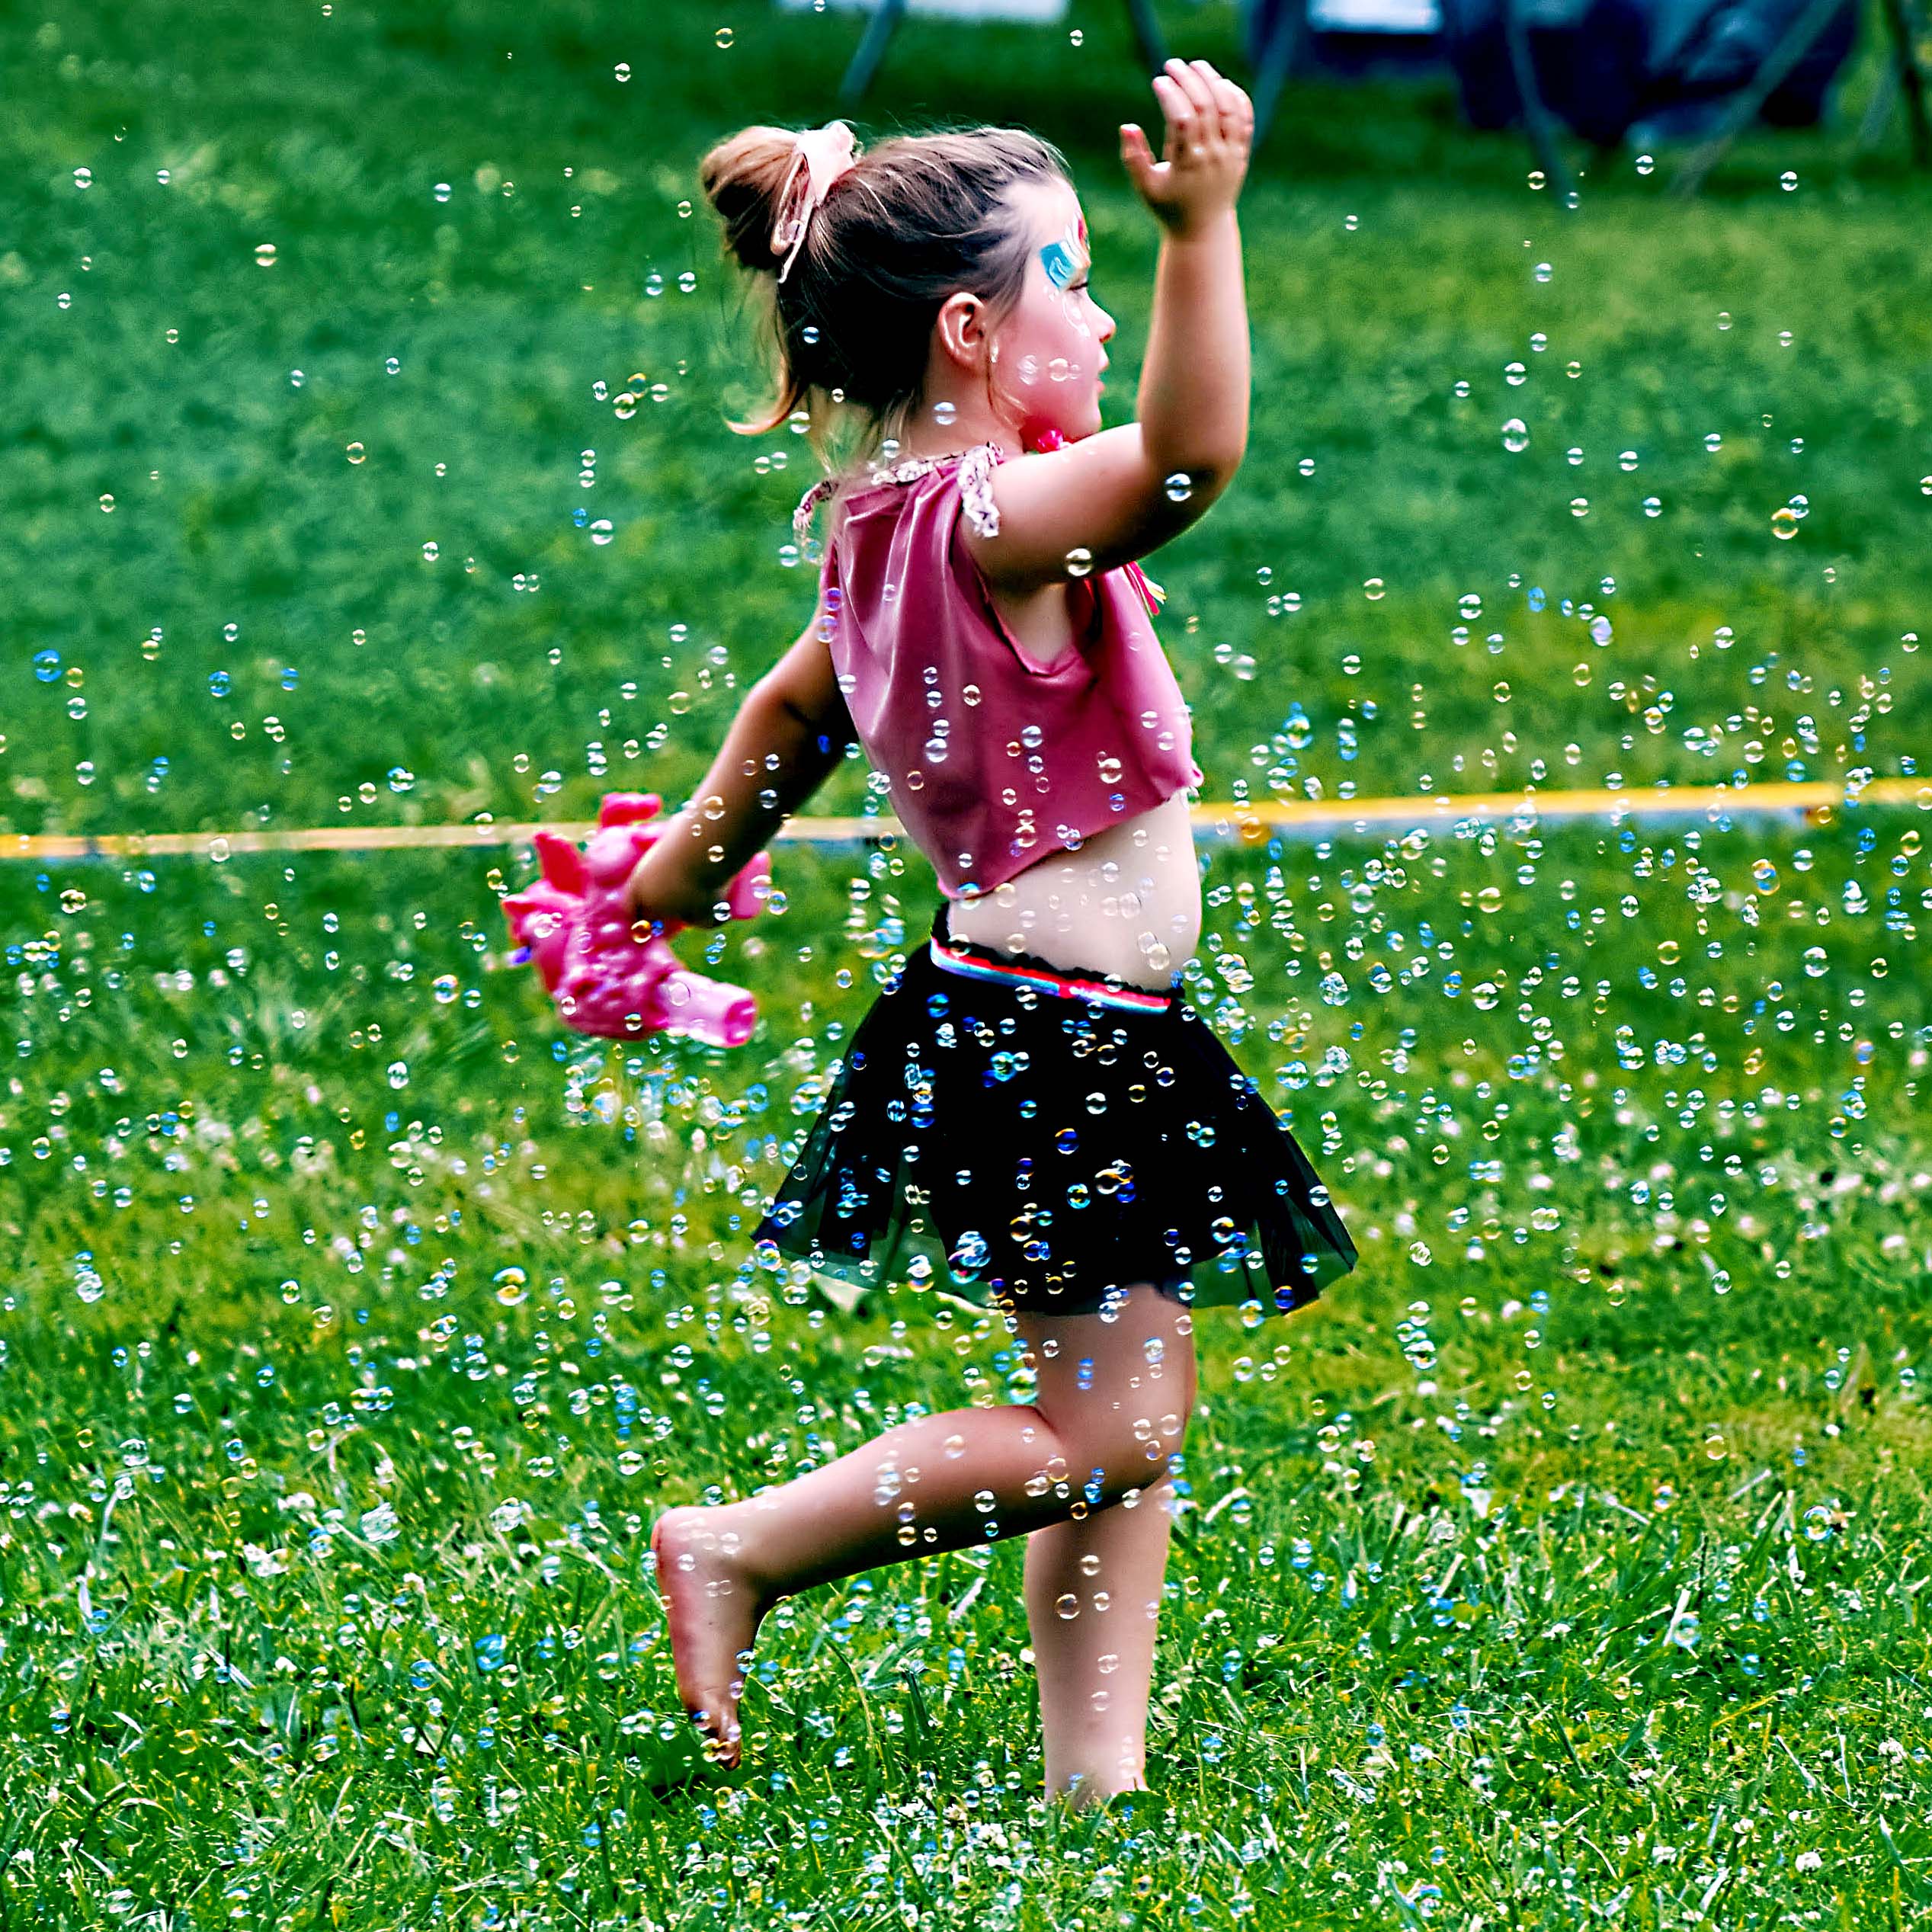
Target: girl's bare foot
pixel 714 1609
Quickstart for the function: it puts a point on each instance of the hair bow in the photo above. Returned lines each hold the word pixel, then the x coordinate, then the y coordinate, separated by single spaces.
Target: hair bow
pixel 819 156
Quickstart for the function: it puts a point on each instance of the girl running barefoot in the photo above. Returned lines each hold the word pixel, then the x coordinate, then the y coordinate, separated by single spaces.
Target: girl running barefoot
pixel 1030 1117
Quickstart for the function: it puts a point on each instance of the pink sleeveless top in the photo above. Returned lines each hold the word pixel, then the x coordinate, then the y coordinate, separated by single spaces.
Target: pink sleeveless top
pixel 994 761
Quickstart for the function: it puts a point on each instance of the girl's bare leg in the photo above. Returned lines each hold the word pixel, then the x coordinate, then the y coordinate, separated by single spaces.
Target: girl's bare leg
pixel 940 1483
pixel 1093 1585
pixel 1093 1599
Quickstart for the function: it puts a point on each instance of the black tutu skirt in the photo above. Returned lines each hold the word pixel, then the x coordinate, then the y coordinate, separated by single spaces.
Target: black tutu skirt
pixel 1003 1133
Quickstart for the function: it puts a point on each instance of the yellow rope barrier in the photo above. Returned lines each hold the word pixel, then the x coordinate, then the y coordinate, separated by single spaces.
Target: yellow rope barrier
pixel 1250 823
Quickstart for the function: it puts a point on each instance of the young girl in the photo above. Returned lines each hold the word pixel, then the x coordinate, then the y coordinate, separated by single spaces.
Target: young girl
pixel 1029 1107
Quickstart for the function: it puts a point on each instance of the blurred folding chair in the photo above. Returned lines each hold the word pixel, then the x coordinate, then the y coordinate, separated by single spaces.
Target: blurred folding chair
pixel 1808 27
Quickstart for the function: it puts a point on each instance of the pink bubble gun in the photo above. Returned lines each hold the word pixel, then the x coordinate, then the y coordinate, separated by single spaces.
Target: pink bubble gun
pixel 574 924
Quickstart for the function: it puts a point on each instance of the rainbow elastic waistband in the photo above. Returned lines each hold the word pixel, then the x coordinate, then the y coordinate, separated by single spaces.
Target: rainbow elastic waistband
pixel 1047 979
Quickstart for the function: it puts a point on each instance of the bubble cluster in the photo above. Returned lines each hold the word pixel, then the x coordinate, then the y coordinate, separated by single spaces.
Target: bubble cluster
pixel 1560 880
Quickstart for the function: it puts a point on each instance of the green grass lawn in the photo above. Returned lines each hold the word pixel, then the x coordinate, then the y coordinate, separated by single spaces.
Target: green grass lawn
pixel 1561 1567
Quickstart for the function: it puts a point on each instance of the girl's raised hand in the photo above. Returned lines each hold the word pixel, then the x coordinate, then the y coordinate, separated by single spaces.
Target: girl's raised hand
pixel 1210 128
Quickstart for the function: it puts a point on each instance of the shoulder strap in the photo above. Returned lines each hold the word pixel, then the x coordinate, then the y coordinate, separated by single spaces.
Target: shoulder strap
pixel 810 502
pixel 976 489
pixel 976 472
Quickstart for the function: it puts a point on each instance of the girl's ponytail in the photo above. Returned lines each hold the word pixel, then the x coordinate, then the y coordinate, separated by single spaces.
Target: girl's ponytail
pixel 742 178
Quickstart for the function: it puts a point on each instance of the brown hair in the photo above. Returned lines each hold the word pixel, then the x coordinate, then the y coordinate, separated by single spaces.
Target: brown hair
pixel 917 219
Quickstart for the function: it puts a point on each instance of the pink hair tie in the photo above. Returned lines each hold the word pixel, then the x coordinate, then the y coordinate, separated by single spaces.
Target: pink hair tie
pixel 819 156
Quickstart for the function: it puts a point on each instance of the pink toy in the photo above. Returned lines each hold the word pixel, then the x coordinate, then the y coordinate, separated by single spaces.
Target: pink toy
pixel 607 981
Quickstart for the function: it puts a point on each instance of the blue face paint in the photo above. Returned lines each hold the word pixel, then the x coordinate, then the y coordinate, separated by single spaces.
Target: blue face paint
pixel 1064 259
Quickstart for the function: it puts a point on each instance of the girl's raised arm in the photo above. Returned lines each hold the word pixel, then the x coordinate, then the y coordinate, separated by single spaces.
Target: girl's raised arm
pixel 1126 492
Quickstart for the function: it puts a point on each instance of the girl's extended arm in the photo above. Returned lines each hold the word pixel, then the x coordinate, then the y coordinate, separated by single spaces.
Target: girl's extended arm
pixel 1192 404
pixel 1113 494
pixel 771 749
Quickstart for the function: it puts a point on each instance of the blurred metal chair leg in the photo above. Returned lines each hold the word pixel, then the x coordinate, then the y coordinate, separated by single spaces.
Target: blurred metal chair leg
pixel 871 51
pixel 1536 119
pixel 1878 111
pixel 1147 32
pixel 1287 34
pixel 1906 77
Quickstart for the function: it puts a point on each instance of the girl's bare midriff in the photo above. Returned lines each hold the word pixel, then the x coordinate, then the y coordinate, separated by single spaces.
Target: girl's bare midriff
pixel 1129 901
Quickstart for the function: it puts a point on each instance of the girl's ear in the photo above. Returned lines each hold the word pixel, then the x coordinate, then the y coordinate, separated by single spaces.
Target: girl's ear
pixel 961 327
